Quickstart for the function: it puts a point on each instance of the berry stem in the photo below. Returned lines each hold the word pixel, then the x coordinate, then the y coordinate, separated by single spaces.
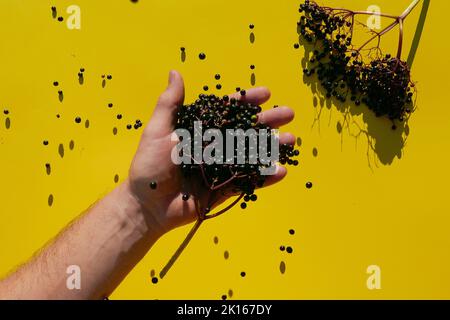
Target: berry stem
pixel 400 40
pixel 235 202
pixel 371 13
pixel 205 179
pixel 398 21
pixel 180 250
pixel 192 233
pixel 202 170
pixel 223 184
pixel 409 9
pixel 379 34
pixel 351 12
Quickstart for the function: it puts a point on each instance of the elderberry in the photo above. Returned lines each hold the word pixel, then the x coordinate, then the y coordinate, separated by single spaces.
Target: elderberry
pixel 383 84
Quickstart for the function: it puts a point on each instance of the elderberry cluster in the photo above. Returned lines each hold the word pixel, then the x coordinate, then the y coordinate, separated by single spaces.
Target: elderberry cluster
pixel 229 113
pixel 383 83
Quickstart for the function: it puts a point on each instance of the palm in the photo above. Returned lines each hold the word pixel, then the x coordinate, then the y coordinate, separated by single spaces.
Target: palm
pixel 166 201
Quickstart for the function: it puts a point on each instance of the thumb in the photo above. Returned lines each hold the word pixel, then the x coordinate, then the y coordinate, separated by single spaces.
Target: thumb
pixel 163 118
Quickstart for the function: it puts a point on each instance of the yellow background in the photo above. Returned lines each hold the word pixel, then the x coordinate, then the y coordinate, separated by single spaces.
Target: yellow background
pixel 360 212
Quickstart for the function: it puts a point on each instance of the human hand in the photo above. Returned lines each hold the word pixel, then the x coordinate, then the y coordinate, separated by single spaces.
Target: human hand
pixel 152 162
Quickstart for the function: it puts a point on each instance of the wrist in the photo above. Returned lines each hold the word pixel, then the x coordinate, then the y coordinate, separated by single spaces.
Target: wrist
pixel 136 213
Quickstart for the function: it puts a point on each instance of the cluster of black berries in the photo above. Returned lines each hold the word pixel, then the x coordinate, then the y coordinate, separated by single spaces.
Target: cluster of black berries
pixel 137 124
pixel 383 83
pixel 222 114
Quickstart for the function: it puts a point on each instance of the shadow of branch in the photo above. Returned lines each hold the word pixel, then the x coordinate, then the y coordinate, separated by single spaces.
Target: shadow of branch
pixel 385 140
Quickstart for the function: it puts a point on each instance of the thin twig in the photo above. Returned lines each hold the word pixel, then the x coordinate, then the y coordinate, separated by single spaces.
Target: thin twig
pixel 400 40
pixel 226 209
pixel 183 246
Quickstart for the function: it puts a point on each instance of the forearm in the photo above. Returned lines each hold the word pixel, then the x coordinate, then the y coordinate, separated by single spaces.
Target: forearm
pixel 106 243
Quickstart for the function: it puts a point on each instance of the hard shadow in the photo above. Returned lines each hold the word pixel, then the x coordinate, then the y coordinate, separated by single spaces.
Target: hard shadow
pixel 71 145
pixel 48 168
pixel 384 144
pixel 418 34
pixel 252 37
pixel 253 79
pixel 61 150
pixel 50 200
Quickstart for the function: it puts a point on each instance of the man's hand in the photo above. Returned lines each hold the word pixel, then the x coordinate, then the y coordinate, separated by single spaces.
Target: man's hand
pixel 153 163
